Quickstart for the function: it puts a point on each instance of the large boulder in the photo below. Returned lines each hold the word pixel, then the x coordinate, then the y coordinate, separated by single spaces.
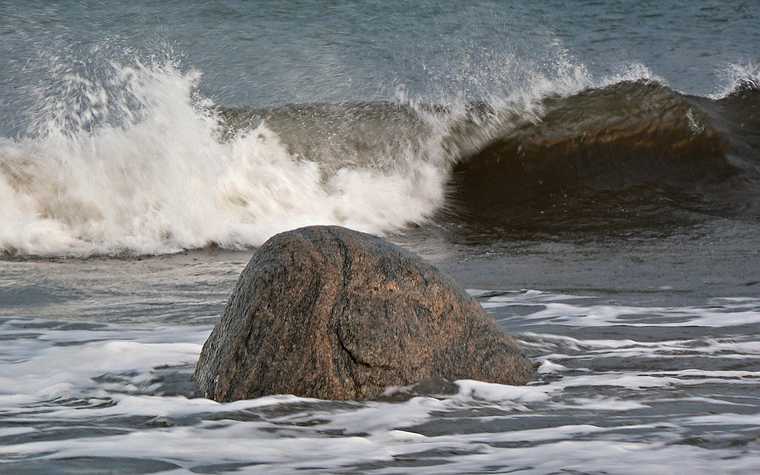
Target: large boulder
pixel 331 313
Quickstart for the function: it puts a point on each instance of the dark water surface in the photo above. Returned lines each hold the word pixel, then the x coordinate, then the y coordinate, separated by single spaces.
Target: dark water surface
pixel 589 171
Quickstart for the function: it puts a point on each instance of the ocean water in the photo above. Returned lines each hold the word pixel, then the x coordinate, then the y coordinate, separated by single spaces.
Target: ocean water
pixel 589 171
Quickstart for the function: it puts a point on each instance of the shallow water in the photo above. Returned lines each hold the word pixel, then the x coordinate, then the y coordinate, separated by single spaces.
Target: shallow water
pixel 588 172
pixel 642 364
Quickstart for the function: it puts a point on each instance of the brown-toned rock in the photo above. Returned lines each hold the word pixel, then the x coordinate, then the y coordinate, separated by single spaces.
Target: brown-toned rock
pixel 331 313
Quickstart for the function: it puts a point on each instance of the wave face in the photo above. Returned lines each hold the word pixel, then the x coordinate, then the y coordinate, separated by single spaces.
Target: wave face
pixel 625 152
pixel 137 162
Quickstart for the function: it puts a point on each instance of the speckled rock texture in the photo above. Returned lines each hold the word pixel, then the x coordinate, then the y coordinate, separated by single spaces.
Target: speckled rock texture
pixel 331 313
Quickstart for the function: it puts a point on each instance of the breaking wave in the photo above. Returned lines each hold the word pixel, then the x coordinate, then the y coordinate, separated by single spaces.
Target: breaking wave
pixel 147 171
pixel 134 160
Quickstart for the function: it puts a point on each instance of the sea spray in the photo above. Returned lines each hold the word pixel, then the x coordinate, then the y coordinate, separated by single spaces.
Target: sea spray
pixel 738 77
pixel 144 171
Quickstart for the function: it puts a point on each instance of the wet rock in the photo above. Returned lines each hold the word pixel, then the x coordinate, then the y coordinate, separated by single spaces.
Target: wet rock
pixel 331 313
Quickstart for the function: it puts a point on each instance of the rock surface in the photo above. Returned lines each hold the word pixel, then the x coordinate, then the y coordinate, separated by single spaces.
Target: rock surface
pixel 331 313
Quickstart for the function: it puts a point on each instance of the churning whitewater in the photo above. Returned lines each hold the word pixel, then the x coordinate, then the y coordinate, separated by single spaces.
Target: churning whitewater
pixel 142 170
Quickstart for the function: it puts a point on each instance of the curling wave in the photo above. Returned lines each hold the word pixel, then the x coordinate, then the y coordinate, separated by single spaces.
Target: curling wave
pixel 626 151
pixel 153 168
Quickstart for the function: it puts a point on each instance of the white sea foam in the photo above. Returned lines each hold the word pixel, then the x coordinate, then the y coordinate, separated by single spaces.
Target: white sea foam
pixel 558 309
pixel 160 180
pixel 286 433
pixel 626 380
pixel 67 370
pixel 540 451
pixel 734 348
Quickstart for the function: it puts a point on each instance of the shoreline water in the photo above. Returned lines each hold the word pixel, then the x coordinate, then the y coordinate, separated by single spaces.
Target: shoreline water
pixel 110 344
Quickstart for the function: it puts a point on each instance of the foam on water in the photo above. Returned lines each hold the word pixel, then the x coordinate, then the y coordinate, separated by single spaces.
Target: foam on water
pixel 557 309
pixel 128 385
pixel 143 170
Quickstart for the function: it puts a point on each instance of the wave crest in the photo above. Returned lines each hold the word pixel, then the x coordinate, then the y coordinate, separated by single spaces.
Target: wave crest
pixel 159 179
pixel 132 159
